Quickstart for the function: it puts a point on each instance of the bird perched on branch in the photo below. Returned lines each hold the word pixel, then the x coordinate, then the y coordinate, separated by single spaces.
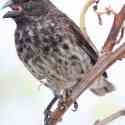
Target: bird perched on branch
pixel 52 47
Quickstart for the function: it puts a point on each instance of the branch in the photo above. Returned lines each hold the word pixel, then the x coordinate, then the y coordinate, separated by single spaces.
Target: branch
pixel 118 21
pixel 110 118
pixel 104 62
pixel 108 11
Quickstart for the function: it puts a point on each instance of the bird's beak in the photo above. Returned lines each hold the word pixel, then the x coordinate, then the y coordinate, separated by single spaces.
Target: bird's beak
pixel 9 14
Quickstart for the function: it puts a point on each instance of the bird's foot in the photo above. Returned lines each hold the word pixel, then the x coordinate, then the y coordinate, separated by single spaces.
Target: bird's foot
pixel 61 102
pixel 68 93
pixel 47 117
pixel 75 107
pixel 47 112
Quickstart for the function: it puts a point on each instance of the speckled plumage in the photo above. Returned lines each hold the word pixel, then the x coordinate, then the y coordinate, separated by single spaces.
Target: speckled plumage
pixel 49 51
pixel 52 47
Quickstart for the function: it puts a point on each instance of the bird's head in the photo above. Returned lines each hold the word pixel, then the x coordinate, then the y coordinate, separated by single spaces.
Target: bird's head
pixel 25 8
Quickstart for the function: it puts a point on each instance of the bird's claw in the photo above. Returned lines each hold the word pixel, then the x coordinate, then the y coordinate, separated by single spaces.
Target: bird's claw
pixel 68 94
pixel 47 117
pixel 75 107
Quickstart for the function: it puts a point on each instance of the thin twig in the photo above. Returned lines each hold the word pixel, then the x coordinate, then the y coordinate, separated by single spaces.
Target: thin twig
pixel 121 35
pixel 108 11
pixel 110 118
pixel 118 21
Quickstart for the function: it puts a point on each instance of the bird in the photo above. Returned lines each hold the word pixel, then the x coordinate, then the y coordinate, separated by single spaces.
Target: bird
pixel 52 47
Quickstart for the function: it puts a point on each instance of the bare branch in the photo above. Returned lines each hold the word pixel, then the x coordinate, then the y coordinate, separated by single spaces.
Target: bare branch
pixel 110 118
pixel 121 35
pixel 108 11
pixel 118 21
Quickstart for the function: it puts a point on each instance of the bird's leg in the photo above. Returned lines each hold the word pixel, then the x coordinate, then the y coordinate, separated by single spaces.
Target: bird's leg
pixel 68 93
pixel 75 106
pixel 47 112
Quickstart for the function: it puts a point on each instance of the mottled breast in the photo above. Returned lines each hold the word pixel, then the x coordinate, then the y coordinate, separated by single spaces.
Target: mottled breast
pixel 49 50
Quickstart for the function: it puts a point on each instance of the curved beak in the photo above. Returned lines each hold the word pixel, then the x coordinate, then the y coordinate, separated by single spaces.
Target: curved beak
pixel 11 14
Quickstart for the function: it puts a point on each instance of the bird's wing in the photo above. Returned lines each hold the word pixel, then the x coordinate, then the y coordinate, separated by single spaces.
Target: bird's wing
pixel 103 86
pixel 82 43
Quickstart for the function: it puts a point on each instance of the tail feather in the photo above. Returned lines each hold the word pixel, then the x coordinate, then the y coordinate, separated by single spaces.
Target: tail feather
pixel 102 87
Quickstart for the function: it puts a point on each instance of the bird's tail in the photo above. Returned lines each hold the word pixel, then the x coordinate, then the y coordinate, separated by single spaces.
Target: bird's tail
pixel 102 87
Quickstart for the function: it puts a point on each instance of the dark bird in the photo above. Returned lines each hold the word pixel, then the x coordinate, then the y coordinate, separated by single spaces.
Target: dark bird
pixel 52 47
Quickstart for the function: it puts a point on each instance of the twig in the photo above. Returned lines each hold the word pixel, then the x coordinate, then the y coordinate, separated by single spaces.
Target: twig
pixel 104 62
pixel 121 35
pixel 108 11
pixel 118 21
pixel 110 118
